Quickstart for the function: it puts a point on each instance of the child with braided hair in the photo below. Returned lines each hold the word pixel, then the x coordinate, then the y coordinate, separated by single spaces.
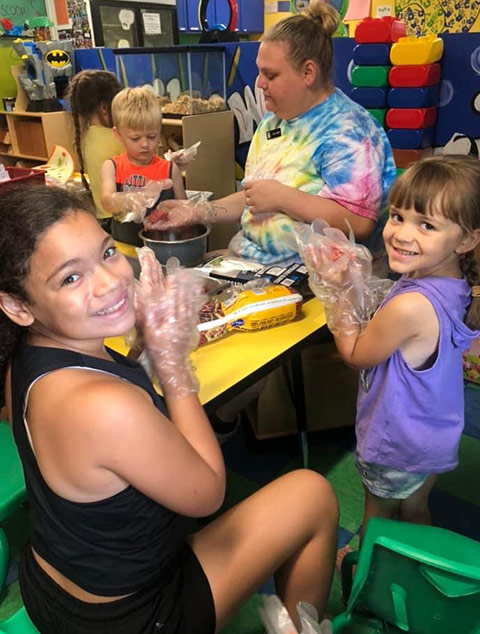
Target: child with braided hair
pixel 91 93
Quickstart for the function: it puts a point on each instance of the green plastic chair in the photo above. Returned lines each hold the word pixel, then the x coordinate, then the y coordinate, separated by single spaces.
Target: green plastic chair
pixel 12 494
pixel 412 578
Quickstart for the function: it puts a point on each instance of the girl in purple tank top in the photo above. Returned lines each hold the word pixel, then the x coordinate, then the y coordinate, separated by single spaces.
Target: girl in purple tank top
pixel 410 410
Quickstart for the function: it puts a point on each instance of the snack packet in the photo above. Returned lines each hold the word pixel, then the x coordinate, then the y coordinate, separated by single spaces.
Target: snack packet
pixel 254 308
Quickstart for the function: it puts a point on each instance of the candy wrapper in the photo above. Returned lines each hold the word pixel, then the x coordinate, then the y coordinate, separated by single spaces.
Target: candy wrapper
pixel 340 275
pixel 182 158
pixel 277 620
pixel 250 308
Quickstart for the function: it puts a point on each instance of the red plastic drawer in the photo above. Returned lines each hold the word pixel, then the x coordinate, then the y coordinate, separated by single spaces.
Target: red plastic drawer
pixel 376 30
pixel 414 76
pixel 411 118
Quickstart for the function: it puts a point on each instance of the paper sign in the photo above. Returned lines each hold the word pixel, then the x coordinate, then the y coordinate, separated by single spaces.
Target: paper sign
pixel 357 10
pixel 151 23
pixel 271 7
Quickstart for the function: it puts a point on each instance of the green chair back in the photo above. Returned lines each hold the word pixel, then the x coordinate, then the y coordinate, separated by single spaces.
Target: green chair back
pixel 12 483
pixel 416 579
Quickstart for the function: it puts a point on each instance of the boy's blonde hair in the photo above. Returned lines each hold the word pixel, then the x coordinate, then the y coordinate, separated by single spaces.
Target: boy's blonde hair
pixel 136 108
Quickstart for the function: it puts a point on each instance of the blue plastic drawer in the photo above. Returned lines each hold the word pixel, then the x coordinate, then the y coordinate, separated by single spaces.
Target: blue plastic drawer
pixel 372 54
pixel 370 97
pixel 401 139
pixel 413 97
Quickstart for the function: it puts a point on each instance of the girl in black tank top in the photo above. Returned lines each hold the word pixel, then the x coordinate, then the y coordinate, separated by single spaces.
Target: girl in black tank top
pixel 113 470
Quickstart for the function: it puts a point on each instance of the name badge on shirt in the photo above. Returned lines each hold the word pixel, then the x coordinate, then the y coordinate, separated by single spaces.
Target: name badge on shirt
pixel 274 134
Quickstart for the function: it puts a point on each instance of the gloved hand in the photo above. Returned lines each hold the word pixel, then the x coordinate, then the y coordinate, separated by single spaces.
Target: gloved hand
pixel 182 158
pixel 340 275
pixel 178 213
pixel 167 314
pixel 132 205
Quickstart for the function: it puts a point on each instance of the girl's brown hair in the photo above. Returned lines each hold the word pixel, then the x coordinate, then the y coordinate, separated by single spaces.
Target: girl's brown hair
pixel 309 36
pixel 448 185
pixel 26 213
pixel 87 92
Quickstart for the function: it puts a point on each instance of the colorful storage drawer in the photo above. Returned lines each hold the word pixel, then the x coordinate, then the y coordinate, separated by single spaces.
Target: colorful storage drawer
pixel 372 54
pixel 413 97
pixel 413 50
pixel 370 97
pixel 404 158
pixel 376 30
pixel 411 118
pixel 414 76
pixel 410 139
pixel 375 76
pixel 378 114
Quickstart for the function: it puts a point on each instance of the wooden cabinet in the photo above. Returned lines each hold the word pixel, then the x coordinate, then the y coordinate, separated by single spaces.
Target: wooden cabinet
pixel 33 135
pixel 214 166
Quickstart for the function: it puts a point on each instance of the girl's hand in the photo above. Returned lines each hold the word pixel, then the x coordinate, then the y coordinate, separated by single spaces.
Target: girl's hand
pixel 167 315
pixel 264 196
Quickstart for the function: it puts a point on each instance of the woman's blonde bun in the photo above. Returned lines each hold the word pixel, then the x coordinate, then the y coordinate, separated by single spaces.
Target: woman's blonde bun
pixel 325 14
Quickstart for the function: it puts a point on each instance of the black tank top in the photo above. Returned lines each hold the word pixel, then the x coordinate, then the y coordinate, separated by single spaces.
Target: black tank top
pixel 114 546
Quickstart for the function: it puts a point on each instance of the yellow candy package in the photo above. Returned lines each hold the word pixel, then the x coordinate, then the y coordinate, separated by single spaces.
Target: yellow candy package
pixel 251 309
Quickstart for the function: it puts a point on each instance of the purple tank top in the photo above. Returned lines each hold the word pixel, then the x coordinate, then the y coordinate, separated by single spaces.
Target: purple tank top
pixel 410 419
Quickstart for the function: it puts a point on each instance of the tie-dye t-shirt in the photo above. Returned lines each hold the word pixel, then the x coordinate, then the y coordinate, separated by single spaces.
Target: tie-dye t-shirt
pixel 336 150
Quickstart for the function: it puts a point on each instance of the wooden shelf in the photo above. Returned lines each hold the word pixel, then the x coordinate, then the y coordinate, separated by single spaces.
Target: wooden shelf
pixel 38 131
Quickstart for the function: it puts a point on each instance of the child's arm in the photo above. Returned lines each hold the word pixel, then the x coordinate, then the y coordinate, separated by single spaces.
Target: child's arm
pixel 178 188
pixel 407 322
pixel 108 186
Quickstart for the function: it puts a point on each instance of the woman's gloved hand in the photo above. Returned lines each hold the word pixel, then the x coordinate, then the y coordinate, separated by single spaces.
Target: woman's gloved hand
pixel 167 310
pixel 179 213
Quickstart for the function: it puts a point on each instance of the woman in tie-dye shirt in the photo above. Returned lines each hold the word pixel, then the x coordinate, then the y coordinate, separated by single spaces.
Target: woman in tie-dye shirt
pixel 315 154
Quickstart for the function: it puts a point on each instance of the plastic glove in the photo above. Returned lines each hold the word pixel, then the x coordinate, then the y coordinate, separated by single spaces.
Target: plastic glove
pixel 132 205
pixel 277 620
pixel 167 315
pixel 178 213
pixel 182 158
pixel 340 275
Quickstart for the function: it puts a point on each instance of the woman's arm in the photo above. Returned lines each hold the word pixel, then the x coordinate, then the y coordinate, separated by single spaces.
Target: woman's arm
pixel 269 196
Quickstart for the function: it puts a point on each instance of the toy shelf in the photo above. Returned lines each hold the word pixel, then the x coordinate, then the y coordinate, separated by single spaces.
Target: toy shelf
pixel 33 135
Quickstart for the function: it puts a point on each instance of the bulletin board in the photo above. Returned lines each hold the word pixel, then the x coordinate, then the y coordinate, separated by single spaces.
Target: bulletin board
pixel 21 10
pixel 439 16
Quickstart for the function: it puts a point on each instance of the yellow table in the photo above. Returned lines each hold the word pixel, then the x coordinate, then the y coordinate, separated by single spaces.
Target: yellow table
pixel 228 366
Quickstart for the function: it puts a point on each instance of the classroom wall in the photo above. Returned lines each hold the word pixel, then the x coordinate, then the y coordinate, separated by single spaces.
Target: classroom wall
pixel 8 58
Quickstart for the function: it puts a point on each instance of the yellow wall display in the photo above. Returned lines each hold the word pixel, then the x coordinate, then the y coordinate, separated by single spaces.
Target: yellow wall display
pixel 439 16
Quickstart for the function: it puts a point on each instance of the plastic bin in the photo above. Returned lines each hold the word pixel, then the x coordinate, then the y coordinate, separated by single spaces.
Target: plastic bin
pixel 376 30
pixel 372 54
pixel 22 175
pixel 419 51
pixel 370 97
pixel 370 76
pixel 411 139
pixel 426 97
pixel 378 114
pixel 414 76
pixel 411 118
pixel 404 158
